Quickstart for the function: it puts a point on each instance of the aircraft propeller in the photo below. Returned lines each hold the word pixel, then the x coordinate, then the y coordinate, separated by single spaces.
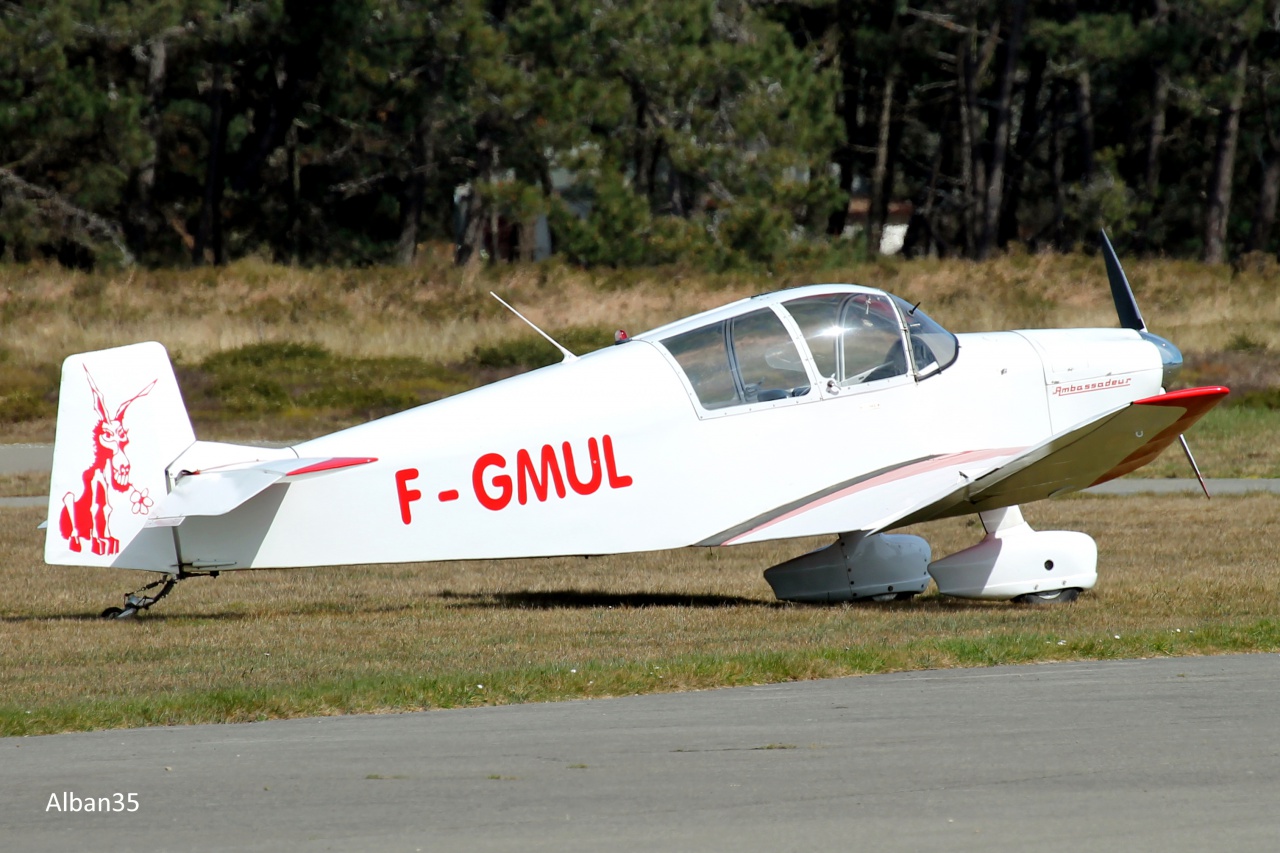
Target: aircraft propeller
pixel 1131 318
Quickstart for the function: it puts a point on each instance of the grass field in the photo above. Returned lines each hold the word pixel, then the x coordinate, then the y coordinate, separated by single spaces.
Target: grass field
pixel 265 352
pixel 1227 442
pixel 1177 576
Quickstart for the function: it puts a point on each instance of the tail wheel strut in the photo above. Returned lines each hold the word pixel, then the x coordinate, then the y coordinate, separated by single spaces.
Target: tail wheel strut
pixel 135 601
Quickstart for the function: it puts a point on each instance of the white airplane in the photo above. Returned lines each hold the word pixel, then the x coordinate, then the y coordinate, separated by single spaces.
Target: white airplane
pixel 826 409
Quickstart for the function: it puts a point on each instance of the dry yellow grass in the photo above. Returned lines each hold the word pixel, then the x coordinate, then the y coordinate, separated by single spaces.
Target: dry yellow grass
pixel 440 318
pixel 25 484
pixel 442 313
pixel 1178 575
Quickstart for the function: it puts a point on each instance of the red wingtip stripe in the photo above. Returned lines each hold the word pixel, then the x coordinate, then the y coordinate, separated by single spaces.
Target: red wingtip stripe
pixel 331 464
pixel 1194 401
pixel 1208 395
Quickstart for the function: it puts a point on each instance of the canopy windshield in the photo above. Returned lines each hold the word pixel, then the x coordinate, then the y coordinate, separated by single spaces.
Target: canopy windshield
pixel 854 337
pixel 932 347
pixel 857 338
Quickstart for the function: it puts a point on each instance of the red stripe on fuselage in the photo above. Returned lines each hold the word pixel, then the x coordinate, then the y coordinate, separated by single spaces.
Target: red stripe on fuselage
pixel 896 474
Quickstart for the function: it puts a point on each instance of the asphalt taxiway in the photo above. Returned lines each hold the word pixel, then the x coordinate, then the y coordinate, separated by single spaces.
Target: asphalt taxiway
pixel 1171 755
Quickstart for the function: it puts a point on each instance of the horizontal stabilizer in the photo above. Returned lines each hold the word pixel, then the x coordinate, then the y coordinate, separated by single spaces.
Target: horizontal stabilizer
pixel 218 490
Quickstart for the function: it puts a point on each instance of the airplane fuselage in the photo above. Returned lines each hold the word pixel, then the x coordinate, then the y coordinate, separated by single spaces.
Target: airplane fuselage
pixel 615 452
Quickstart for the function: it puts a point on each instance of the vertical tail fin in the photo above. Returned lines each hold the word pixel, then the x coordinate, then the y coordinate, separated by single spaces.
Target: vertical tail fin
pixel 121 421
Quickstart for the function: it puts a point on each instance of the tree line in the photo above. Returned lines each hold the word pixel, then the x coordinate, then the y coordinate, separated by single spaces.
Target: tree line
pixel 622 133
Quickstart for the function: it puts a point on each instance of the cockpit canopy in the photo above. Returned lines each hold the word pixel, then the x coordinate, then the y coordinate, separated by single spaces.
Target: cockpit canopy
pixel 846 336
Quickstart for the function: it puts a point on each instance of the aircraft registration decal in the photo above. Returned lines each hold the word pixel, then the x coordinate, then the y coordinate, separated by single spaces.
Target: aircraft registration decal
pixel 554 470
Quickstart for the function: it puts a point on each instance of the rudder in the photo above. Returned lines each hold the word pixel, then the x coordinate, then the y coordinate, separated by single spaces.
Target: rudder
pixel 121 421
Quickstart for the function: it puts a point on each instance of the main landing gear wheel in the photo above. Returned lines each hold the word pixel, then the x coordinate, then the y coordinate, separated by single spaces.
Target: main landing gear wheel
pixel 1057 596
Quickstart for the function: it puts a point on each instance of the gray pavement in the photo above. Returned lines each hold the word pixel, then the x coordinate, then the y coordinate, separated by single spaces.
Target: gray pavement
pixel 1160 755
pixel 20 458
pixel 1142 486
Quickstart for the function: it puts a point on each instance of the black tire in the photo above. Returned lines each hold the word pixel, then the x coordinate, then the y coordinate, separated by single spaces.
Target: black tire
pixel 1057 596
pixel 112 613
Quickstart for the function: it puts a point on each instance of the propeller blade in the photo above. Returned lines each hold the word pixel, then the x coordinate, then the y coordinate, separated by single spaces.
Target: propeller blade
pixel 1131 318
pixel 1121 292
pixel 1186 448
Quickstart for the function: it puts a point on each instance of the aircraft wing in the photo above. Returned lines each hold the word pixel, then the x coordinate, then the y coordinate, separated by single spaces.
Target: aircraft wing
pixel 219 490
pixel 1110 446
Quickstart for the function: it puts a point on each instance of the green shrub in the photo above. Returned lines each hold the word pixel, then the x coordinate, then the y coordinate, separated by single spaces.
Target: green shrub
pixel 305 379
pixel 357 398
pixel 531 350
pixel 27 392
pixel 1242 342
pixel 24 405
pixel 275 355
pixel 252 395
pixel 1267 398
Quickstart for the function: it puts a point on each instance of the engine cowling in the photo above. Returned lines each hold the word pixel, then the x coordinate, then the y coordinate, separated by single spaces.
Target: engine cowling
pixel 855 567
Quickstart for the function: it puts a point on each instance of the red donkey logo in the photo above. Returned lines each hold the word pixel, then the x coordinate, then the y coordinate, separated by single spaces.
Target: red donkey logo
pixel 88 517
